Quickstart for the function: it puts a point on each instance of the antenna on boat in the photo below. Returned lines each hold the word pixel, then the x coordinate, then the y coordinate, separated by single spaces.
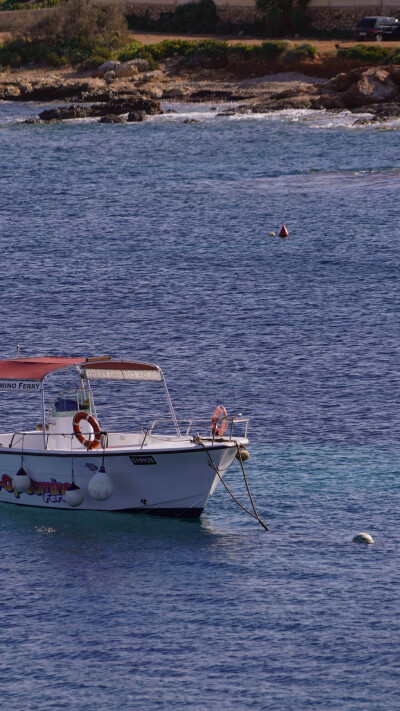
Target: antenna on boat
pixel 18 351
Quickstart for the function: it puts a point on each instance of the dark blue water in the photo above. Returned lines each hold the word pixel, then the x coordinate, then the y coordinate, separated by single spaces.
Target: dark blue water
pixel 151 242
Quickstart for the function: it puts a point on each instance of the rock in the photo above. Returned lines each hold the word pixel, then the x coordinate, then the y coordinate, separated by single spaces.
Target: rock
pixel 331 102
pixel 176 92
pixel 63 113
pixel 128 104
pixel 381 112
pixel 108 66
pixel 112 118
pixel 136 116
pixel 191 120
pixel 126 71
pixel 141 64
pixel 109 76
pixel 43 91
pixel 374 86
pixel 155 91
pixel 363 121
pixel 342 81
pixel 10 92
pixel 150 76
pixel 136 106
pixel 291 93
pixel 220 95
pixel 100 95
pixel 295 102
pixel 395 74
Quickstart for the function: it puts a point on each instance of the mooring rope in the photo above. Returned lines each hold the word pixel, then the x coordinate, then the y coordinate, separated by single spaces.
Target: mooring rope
pixel 198 440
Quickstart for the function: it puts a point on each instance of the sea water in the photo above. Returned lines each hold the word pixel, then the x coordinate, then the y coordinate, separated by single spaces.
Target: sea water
pixel 151 241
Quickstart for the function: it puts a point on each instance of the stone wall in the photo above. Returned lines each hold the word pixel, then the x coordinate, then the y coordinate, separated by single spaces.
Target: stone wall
pixel 234 12
pixel 342 15
pixel 323 14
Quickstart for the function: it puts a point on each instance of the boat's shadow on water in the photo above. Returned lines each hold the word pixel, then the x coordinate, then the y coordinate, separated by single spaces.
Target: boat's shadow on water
pixel 96 527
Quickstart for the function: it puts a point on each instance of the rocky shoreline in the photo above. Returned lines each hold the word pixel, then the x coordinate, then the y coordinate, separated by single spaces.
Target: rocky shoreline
pixel 119 92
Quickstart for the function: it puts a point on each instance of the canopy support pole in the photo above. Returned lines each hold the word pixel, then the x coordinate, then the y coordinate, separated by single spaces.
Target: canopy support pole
pixel 43 418
pixel 171 409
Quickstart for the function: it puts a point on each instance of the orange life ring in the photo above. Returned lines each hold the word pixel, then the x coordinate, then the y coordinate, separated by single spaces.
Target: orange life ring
pixel 88 443
pixel 215 430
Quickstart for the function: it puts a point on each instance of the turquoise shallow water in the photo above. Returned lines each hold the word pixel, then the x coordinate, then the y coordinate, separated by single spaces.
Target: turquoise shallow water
pixel 151 241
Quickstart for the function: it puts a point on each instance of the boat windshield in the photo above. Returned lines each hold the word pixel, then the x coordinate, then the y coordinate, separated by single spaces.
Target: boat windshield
pixel 70 402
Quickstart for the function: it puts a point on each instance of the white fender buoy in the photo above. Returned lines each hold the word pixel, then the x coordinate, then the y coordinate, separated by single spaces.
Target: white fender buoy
pixel 74 495
pixel 363 538
pixel 100 486
pixel 243 454
pixel 22 482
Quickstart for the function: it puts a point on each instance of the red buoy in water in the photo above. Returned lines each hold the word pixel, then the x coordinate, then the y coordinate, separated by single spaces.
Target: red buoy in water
pixel 283 232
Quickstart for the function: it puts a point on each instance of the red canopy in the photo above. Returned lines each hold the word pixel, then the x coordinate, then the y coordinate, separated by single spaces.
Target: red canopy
pixel 34 368
pixel 37 368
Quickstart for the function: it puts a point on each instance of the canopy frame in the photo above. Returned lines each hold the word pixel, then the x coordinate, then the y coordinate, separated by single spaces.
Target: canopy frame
pixel 28 374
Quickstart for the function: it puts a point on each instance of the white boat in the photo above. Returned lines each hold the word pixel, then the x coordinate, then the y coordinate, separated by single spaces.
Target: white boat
pixel 71 461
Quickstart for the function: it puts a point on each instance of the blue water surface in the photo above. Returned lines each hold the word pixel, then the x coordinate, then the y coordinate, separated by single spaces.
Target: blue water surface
pixel 151 241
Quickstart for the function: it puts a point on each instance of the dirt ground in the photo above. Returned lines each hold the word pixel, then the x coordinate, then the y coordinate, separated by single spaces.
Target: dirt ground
pixel 323 46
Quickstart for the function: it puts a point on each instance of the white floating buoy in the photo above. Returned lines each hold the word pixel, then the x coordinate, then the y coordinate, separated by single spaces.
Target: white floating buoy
pixel 100 486
pixel 22 482
pixel 363 538
pixel 243 454
pixel 74 495
pixel 271 234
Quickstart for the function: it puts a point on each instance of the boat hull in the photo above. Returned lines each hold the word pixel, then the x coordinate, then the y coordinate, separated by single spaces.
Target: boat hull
pixel 174 483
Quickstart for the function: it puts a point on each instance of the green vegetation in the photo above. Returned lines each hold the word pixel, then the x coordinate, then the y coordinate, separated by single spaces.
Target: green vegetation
pixel 371 54
pixel 53 53
pixel 75 32
pixel 91 49
pixel 26 4
pixel 218 53
pixel 299 53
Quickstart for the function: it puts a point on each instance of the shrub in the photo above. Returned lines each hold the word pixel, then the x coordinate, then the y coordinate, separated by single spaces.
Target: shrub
pixel 214 52
pixel 372 54
pixel 137 50
pixel 170 48
pixel 299 53
pixel 103 23
pixel 50 52
pixel 75 32
pixel 394 57
pixel 272 50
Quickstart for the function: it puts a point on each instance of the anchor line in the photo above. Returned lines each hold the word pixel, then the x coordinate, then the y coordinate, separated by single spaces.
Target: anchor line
pixel 254 515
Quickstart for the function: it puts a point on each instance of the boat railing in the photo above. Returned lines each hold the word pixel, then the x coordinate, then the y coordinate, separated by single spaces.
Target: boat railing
pixel 191 427
pixel 201 426
pixel 194 425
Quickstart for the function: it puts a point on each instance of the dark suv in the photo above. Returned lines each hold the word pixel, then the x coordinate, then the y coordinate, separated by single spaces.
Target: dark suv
pixel 377 28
